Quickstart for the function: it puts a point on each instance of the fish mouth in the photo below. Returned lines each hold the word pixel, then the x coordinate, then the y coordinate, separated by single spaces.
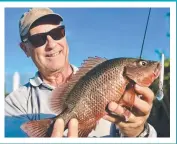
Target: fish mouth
pixel 157 70
pixel 147 81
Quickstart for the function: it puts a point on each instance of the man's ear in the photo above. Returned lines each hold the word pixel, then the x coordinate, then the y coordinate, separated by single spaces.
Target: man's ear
pixel 25 49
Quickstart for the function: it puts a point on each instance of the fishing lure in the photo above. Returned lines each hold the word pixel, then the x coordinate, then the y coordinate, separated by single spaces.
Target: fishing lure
pixel 160 93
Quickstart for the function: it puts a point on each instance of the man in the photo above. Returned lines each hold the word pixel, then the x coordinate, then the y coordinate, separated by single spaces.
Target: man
pixel 43 39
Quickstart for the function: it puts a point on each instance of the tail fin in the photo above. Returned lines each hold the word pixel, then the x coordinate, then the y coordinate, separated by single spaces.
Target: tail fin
pixel 38 128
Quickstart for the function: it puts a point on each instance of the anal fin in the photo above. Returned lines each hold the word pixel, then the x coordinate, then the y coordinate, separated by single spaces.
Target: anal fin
pixel 38 128
pixel 86 127
pixel 86 131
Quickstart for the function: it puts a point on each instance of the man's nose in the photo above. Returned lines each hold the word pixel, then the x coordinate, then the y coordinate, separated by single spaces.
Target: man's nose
pixel 51 43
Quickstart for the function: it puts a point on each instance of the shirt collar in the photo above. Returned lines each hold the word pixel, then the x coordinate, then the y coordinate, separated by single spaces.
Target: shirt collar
pixel 36 80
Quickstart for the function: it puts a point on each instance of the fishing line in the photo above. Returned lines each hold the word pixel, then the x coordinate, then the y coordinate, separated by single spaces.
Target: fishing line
pixel 145 32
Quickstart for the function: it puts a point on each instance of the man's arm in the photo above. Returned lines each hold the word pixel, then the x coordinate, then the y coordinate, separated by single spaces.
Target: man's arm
pixel 15 104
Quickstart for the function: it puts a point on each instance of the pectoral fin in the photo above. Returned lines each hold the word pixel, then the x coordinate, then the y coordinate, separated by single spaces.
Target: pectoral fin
pixel 128 101
pixel 129 96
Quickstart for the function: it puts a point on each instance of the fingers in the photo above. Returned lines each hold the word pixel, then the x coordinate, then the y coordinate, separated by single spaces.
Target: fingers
pixel 145 104
pixel 73 128
pixel 142 106
pixel 146 92
pixel 111 119
pixel 120 113
pixel 58 128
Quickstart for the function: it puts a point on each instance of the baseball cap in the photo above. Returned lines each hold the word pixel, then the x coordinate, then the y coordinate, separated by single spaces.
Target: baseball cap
pixel 33 15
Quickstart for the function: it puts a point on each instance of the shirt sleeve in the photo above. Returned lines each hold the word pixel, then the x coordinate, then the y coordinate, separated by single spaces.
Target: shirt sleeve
pixel 16 103
pixel 16 113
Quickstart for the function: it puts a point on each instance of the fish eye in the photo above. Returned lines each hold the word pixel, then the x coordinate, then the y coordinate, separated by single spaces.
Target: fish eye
pixel 143 63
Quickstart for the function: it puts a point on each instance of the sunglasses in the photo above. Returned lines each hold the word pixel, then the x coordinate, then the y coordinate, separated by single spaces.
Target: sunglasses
pixel 39 39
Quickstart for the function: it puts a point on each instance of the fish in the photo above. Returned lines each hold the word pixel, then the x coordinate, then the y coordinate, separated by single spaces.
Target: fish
pixel 86 95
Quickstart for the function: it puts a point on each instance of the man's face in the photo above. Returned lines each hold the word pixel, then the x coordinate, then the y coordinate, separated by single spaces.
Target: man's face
pixel 51 56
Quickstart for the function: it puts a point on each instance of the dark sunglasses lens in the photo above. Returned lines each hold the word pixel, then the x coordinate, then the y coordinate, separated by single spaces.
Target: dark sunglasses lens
pixel 57 33
pixel 37 40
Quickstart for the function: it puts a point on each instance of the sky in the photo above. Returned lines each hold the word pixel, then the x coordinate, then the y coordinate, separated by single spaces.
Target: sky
pixel 104 32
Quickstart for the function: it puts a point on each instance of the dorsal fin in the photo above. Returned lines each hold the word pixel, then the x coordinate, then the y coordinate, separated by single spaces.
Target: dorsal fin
pixel 59 95
pixel 88 64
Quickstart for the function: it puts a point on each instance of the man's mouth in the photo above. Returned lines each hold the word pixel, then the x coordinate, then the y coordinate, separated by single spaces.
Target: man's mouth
pixel 54 54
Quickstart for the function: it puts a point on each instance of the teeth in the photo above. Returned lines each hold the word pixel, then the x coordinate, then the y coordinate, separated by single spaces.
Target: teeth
pixel 55 54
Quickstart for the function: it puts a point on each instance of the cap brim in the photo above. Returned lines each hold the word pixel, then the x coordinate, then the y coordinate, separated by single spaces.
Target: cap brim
pixel 50 18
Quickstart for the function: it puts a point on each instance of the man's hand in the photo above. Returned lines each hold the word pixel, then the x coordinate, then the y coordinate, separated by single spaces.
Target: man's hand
pixel 138 116
pixel 59 128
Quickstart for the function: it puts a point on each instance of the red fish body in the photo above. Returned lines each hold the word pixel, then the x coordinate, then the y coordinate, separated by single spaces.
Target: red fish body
pixel 86 95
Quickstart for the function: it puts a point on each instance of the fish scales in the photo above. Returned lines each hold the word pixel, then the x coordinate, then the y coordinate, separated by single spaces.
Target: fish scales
pixel 98 82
